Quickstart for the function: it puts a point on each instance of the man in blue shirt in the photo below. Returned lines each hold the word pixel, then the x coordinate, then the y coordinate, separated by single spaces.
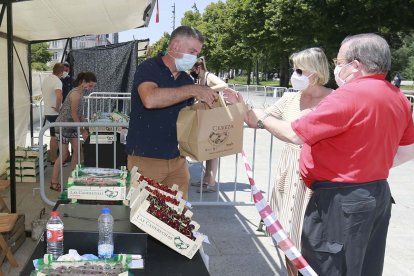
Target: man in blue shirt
pixel 161 89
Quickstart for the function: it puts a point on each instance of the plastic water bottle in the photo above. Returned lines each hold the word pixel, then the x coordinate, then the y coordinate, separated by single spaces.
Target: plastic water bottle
pixel 106 242
pixel 54 231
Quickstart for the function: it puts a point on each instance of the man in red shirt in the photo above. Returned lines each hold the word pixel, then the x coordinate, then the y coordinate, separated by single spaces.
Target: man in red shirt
pixel 350 142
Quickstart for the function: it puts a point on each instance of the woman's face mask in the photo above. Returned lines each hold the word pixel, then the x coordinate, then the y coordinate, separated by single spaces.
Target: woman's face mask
pixel 299 80
pixel 186 62
pixel 194 74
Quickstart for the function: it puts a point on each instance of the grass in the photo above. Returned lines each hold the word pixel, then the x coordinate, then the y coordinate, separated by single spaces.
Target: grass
pixel 243 80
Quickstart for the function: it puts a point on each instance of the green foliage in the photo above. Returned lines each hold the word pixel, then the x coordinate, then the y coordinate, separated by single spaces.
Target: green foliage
pixel 159 46
pixel 40 53
pixel 39 66
pixel 260 35
pixel 403 58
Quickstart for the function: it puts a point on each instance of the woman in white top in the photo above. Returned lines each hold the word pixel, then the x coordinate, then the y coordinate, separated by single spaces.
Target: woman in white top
pixel 290 196
pixel 203 77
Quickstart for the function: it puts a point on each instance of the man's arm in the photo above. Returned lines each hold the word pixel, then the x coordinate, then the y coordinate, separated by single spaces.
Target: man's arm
pixel 404 154
pixel 59 98
pixel 154 97
pixel 278 128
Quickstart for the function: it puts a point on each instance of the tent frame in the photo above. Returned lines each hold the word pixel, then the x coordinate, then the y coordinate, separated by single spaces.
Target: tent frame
pixel 7 8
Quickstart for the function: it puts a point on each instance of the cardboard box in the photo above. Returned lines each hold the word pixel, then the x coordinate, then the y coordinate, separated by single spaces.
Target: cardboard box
pixel 102 139
pixel 30 178
pixel 163 232
pixel 104 129
pixel 138 196
pixel 96 192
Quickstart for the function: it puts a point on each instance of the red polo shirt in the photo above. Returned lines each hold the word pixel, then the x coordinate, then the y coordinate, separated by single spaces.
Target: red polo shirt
pixel 354 133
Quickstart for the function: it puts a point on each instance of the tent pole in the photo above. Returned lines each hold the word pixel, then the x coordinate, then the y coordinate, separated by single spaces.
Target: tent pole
pixel 64 51
pixel 3 9
pixel 29 61
pixel 10 74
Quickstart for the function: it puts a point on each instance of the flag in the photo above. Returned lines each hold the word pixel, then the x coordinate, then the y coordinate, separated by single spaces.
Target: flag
pixel 157 14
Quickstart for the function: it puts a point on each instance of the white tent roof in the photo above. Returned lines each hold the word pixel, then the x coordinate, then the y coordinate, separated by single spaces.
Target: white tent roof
pixel 54 19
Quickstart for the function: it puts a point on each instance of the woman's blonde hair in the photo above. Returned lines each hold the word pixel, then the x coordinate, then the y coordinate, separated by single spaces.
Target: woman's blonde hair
pixel 313 60
pixel 200 62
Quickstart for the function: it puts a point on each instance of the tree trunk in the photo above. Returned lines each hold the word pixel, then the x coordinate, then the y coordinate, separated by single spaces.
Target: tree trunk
pixel 249 72
pixel 257 72
pixel 284 71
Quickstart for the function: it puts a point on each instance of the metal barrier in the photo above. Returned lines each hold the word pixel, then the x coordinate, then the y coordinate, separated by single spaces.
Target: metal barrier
pixel 61 125
pixel 232 188
pixel 106 102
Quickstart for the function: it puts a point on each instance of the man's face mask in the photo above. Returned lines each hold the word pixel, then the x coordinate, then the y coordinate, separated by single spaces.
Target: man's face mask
pixel 186 62
pixel 337 71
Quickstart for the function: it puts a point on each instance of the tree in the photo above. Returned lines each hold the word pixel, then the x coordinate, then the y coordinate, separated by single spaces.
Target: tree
pixel 40 54
pixel 159 46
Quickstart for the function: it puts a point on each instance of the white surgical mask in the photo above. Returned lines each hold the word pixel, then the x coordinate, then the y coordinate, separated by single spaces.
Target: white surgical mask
pixel 186 62
pixel 337 70
pixel 65 74
pixel 299 82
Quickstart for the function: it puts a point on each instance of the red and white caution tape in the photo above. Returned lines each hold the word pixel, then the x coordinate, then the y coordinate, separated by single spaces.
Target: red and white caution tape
pixel 275 228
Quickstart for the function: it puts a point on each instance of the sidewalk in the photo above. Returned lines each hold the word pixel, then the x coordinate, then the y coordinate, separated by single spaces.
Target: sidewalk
pixel 236 247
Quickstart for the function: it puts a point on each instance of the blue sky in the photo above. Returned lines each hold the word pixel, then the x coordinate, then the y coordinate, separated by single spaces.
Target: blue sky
pixel 155 30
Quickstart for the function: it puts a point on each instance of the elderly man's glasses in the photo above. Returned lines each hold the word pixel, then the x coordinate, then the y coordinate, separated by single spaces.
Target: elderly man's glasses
pixel 337 62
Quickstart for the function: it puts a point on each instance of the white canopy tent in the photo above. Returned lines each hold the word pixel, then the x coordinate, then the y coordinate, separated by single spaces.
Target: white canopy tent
pixel 44 20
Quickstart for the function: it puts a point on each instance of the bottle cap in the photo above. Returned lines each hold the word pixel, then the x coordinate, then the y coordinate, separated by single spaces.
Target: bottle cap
pixel 55 214
pixel 106 211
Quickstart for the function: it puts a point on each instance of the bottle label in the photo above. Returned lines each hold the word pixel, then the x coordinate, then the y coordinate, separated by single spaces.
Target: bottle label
pixel 55 235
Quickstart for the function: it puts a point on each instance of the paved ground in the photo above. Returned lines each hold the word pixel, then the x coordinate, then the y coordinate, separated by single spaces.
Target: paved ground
pixel 236 247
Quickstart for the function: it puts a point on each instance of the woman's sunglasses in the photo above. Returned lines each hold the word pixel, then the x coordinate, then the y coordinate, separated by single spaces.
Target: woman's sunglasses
pixel 298 71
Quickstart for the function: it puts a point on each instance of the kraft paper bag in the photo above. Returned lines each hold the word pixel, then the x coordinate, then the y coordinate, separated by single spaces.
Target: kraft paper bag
pixel 205 133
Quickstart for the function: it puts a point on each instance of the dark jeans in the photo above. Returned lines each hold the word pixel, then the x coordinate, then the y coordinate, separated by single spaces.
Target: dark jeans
pixel 345 229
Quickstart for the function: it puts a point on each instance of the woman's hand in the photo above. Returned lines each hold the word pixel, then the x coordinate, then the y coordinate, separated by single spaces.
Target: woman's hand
pixel 85 134
pixel 232 96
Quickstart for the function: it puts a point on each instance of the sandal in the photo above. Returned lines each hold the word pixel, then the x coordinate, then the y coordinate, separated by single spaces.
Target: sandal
pixel 198 184
pixel 55 186
pixel 208 189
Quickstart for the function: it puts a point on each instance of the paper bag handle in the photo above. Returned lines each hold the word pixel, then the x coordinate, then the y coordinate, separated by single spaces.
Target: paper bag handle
pixel 223 104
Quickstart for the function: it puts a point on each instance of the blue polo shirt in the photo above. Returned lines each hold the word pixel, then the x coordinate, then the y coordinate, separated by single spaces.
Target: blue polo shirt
pixel 153 132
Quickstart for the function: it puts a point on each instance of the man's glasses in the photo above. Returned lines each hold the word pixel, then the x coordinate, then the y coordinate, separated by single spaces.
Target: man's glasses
pixel 337 62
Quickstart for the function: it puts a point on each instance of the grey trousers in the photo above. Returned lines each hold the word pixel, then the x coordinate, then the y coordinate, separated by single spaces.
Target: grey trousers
pixel 345 229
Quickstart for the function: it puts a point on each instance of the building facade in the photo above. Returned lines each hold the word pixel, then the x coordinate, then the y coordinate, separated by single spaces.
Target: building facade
pixel 58 46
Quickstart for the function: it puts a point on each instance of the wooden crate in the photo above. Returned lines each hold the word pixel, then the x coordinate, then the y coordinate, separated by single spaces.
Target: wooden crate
pixel 17 235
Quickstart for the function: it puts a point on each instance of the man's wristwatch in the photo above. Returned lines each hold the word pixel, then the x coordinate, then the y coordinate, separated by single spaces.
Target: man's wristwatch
pixel 260 123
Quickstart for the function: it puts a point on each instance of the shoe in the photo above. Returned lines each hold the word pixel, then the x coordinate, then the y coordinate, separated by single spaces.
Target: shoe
pixel 55 186
pixel 198 184
pixel 208 189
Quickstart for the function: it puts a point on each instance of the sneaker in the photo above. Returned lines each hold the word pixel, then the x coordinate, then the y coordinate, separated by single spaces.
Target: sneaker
pixel 208 189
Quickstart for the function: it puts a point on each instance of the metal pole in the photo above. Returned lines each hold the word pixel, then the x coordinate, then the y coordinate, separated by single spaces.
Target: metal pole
pixel 64 51
pixel 3 9
pixel 29 61
pixel 11 107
